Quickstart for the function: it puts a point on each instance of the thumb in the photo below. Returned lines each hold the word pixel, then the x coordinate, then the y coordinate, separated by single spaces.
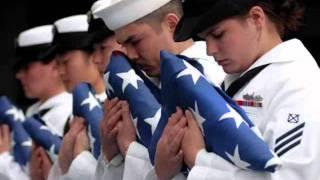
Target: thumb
pixel 179 157
pixel 190 118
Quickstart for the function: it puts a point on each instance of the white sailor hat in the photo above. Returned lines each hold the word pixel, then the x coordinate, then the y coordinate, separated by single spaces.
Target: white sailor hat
pixel 96 25
pixel 71 33
pixel 119 13
pixel 34 44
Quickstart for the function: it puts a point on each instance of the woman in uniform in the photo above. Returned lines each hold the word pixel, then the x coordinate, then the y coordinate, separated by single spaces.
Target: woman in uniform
pixel 273 80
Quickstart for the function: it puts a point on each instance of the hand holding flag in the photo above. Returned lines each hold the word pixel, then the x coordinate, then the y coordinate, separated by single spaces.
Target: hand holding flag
pixel 87 106
pixel 21 140
pixel 227 130
pixel 123 82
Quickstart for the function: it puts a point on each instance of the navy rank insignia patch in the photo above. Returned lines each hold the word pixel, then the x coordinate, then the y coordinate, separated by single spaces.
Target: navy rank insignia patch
pixel 293 118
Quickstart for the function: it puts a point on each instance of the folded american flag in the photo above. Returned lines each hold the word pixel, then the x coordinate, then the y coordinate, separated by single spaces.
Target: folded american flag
pixel 42 135
pixel 27 129
pixel 123 82
pixel 21 140
pixel 87 106
pixel 227 130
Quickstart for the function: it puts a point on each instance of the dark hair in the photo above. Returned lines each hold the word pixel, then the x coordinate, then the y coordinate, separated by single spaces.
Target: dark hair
pixel 88 50
pixel 286 14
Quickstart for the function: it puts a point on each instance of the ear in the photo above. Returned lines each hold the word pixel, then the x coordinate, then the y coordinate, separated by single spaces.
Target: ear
pixel 171 21
pixel 258 16
pixel 54 64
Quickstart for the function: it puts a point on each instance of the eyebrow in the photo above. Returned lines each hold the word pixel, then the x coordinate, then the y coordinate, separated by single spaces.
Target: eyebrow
pixel 209 30
pixel 128 40
pixel 213 29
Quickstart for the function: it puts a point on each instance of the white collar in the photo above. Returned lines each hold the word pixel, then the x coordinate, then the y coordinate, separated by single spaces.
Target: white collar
pixel 287 51
pixel 197 51
pixel 54 101
pixel 101 97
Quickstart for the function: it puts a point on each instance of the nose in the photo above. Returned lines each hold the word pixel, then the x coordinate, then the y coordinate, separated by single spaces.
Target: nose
pixel 97 56
pixel 61 69
pixel 132 53
pixel 212 47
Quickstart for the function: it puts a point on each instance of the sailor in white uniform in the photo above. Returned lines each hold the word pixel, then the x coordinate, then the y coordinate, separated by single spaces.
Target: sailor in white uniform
pixel 97 42
pixel 145 28
pixel 274 81
pixel 38 72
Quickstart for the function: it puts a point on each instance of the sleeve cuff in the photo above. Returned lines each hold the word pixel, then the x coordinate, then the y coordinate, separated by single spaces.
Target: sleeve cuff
pixel 55 172
pixel 82 167
pixel 212 160
pixel 116 161
pixel 179 176
pixel 153 176
pixel 5 157
pixel 137 150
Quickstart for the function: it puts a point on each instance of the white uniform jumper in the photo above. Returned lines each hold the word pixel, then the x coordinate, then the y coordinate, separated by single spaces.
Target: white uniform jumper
pixel 54 113
pixel 83 166
pixel 137 164
pixel 283 102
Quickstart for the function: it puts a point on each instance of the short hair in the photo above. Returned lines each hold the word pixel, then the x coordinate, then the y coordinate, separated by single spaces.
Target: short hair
pixel 174 6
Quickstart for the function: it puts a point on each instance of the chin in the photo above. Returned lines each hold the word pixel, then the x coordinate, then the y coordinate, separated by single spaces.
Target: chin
pixel 152 73
pixel 229 70
pixel 30 95
pixel 69 87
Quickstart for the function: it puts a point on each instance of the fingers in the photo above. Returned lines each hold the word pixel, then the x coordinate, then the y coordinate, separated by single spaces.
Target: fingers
pixel 79 120
pixel 113 109
pixel 110 103
pixel 113 133
pixel 82 143
pixel 112 114
pixel 5 139
pixel 5 134
pixel 36 156
pixel 179 157
pixel 111 106
pixel 44 156
pixel 172 121
pixel 125 110
pixel 175 143
pixel 82 136
pixel 125 106
pixel 192 122
pixel 182 122
pixel 175 117
pixel 77 126
pixel 110 125
pixel 126 115
pixel 41 152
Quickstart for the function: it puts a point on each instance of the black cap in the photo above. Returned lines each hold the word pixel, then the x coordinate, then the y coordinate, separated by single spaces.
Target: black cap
pixel 34 45
pixel 71 33
pixel 38 53
pixel 64 42
pixel 98 29
pixel 199 15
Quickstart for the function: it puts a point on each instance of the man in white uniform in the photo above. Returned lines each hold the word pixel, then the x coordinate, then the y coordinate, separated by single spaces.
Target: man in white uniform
pixel 144 28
